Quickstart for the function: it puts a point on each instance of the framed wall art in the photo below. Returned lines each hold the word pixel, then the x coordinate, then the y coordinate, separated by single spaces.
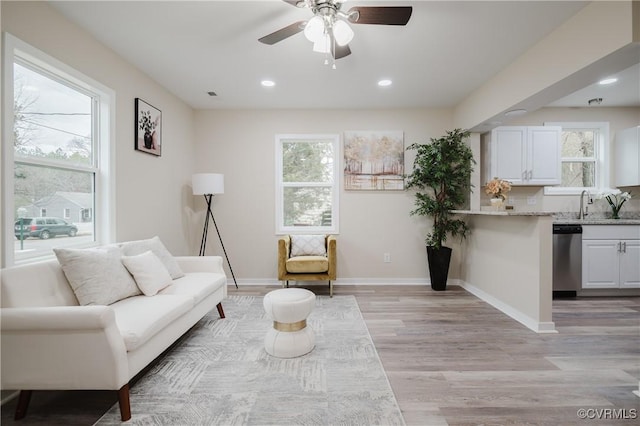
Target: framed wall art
pixel 374 160
pixel 148 128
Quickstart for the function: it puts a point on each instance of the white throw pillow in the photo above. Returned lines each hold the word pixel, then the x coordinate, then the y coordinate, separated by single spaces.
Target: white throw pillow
pixel 308 245
pixel 97 275
pixel 148 271
pixel 132 248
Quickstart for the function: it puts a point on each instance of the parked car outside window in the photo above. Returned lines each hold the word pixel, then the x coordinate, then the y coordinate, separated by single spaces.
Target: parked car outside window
pixel 43 227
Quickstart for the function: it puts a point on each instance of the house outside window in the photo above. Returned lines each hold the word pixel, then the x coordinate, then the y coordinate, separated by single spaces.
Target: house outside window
pixel 58 159
pixel 584 160
pixel 307 183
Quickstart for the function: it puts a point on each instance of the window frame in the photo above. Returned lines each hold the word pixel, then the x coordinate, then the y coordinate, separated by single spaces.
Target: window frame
pixel 601 153
pixel 281 229
pixel 16 50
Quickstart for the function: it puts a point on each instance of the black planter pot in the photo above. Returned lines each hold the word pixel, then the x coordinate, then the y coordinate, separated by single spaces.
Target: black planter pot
pixel 439 261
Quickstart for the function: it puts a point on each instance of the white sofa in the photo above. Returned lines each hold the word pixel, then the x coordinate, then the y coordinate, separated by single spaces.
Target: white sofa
pixel 50 342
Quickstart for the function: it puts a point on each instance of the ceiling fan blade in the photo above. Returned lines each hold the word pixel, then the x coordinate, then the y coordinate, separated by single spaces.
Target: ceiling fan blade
pixel 295 3
pixel 380 15
pixel 340 51
pixel 283 33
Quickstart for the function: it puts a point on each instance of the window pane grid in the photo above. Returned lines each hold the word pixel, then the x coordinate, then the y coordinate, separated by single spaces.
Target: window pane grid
pixel 579 157
pixel 55 161
pixel 307 183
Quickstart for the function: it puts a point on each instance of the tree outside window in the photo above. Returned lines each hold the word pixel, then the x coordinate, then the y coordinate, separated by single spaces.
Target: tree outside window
pixel 307 190
pixel 584 147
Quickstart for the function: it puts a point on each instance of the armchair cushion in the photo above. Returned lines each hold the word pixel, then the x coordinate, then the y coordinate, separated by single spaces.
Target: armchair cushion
pixel 307 264
pixel 308 245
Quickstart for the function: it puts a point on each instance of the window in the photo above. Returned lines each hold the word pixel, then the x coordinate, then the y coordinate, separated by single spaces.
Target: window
pixel 307 183
pixel 57 162
pixel 584 160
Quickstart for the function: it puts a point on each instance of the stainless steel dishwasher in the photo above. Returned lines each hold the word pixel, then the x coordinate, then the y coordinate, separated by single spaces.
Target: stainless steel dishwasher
pixel 567 259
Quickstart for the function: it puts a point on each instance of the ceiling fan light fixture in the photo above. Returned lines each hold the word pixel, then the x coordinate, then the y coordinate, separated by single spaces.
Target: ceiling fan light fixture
pixel 323 45
pixel 314 31
pixel 342 32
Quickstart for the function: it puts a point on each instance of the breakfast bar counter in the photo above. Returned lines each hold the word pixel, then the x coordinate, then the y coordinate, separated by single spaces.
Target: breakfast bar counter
pixel 507 262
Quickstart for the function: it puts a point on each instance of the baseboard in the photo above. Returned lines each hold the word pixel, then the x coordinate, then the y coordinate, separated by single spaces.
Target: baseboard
pixel 341 281
pixel 522 318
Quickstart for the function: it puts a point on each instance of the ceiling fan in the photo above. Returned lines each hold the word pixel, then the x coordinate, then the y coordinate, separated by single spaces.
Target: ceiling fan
pixel 329 28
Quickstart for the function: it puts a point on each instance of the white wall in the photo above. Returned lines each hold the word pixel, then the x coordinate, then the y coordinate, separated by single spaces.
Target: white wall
pixel 151 192
pixel 241 145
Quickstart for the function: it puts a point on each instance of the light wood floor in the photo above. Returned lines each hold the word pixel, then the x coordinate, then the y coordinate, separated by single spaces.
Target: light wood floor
pixel 453 359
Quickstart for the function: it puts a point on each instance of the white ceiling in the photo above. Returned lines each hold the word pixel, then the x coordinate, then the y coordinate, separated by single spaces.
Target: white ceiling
pixel 448 49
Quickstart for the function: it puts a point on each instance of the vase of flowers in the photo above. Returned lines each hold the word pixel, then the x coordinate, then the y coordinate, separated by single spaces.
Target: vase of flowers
pixel 147 125
pixel 497 188
pixel 616 200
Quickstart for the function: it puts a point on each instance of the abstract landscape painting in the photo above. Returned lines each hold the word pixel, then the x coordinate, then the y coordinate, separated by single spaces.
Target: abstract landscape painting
pixel 374 160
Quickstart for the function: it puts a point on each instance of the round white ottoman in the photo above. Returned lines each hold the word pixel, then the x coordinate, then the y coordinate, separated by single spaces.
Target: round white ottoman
pixel 289 308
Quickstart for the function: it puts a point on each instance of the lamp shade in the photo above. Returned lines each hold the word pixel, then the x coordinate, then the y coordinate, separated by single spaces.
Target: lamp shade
pixel 323 45
pixel 314 30
pixel 342 32
pixel 207 183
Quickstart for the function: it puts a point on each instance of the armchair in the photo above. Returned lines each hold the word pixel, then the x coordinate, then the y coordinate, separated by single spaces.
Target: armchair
pixel 300 262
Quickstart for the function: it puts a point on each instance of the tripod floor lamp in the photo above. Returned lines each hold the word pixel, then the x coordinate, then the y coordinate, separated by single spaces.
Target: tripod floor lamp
pixel 210 184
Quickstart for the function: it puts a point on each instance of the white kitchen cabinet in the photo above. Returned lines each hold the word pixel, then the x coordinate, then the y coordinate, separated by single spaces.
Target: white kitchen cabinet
pixel 626 157
pixel 610 256
pixel 523 155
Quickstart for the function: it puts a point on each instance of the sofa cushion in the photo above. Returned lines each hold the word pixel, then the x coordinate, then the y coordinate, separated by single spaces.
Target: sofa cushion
pixel 148 271
pixel 197 285
pixel 97 275
pixel 308 245
pixel 131 248
pixel 307 264
pixel 140 318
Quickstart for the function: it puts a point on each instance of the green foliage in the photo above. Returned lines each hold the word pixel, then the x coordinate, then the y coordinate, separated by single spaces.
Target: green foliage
pixel 442 176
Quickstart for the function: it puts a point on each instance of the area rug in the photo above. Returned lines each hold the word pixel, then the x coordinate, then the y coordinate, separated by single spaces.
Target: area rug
pixel 220 374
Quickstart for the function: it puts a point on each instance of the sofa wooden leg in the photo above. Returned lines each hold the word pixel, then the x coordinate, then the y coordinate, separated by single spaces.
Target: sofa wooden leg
pixel 220 310
pixel 123 401
pixel 23 404
pixel 330 289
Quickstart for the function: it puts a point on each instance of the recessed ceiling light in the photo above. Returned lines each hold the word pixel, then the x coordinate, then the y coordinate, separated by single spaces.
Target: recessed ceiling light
pixel 268 83
pixel 610 80
pixel 384 83
pixel 515 112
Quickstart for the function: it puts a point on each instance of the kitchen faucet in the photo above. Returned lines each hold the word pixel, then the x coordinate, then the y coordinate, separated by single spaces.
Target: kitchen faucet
pixel 584 211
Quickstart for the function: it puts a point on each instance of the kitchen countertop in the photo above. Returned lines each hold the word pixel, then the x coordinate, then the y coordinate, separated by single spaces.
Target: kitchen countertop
pixel 557 217
pixel 597 221
pixel 502 213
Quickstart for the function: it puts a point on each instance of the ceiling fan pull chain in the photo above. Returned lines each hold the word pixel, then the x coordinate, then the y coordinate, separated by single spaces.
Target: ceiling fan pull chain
pixel 333 40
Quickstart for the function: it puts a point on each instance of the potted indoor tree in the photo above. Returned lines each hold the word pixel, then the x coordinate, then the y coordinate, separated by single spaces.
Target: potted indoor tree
pixel 442 177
